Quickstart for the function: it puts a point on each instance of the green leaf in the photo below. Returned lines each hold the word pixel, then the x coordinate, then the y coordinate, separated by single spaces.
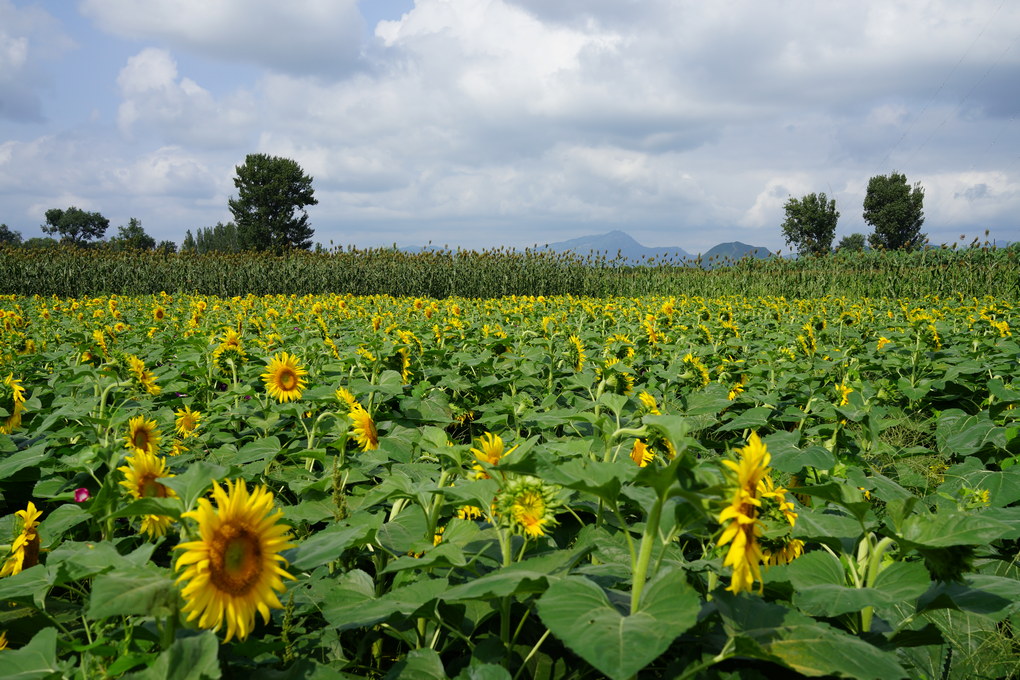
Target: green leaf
pixel 30 457
pixel 751 419
pixel 194 482
pixel 483 671
pixel 529 576
pixel 37 659
pixel 578 612
pixel 189 658
pixel 54 524
pixel 168 507
pixel 419 663
pixel 951 528
pixel 28 587
pixel 139 590
pixel 327 545
pixel 405 600
pixel 259 450
pixel 775 633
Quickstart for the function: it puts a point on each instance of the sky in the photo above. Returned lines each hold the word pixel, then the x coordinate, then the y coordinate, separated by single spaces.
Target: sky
pixel 489 123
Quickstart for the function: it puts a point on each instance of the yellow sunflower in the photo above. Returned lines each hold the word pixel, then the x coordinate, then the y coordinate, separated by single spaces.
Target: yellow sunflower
pixel 3 640
pixel 143 436
pixel 284 377
pixel 140 479
pixel 740 518
pixel 146 379
pixel 529 506
pixel 363 429
pixel 12 400
pixel 187 421
pixel 641 454
pixel 25 549
pixel 346 398
pixel 490 450
pixel 235 568
pixel 576 352
pixel 649 403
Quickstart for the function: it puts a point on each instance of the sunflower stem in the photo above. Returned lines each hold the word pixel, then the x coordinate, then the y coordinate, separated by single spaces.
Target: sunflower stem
pixel 645 553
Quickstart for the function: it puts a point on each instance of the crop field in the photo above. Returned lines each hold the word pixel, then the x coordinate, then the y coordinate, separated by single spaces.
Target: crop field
pixel 493 488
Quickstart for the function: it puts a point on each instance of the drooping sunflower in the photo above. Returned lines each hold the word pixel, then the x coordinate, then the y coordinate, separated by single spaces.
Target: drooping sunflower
pixel 141 475
pixel 346 399
pixel 649 403
pixel 640 453
pixel 187 422
pixel 25 548
pixel 490 450
pixel 143 435
pixel 284 377
pixel 12 400
pixel 742 529
pixel 576 352
pixel 146 379
pixel 363 428
pixel 235 568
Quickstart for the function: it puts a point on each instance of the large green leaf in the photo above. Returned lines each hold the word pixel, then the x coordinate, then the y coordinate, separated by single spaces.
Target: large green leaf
pixel 950 528
pixel 189 658
pixel 529 576
pixel 405 600
pixel 140 590
pixel 35 661
pixel 327 545
pixel 578 612
pixel 781 635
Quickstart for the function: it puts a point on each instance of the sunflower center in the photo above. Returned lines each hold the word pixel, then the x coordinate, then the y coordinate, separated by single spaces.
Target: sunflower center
pixel 235 559
pixel 150 488
pixel 288 379
pixel 140 439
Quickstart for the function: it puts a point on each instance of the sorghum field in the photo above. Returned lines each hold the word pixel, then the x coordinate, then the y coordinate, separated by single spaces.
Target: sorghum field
pixel 663 484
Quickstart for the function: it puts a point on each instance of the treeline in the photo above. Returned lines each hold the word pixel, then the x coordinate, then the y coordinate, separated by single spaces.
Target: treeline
pixel 943 272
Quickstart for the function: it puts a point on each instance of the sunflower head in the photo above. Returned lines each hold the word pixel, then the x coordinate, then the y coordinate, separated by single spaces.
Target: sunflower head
pixel 234 569
pixel 363 428
pixel 575 351
pixel 641 454
pixel 284 377
pixel 187 421
pixel 490 450
pixel 141 480
pixel 25 547
pixel 143 436
pixel 528 506
pixel 12 400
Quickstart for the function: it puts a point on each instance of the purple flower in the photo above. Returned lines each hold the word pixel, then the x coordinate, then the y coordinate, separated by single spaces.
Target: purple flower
pixel 81 495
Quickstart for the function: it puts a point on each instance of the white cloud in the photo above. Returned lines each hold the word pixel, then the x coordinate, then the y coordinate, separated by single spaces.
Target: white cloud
pixel 299 36
pixel 155 99
pixel 29 38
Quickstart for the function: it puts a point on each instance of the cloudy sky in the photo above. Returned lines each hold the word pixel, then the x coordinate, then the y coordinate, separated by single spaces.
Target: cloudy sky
pixel 480 123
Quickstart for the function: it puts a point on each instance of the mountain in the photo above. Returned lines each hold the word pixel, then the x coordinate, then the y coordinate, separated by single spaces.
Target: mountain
pixel 734 250
pixel 617 242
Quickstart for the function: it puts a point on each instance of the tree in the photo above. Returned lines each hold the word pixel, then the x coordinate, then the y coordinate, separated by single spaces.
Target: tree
pixel 188 246
pixel 896 212
pixel 8 237
pixel 810 223
pixel 222 238
pixel 851 242
pixel 75 225
pixel 132 236
pixel 272 194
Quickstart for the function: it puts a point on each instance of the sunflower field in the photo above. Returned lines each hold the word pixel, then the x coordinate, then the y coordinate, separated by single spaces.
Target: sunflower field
pixel 493 488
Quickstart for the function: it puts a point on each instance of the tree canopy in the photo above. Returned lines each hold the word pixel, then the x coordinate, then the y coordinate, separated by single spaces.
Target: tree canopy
pixel 74 225
pixel 852 242
pixel 810 223
pixel 9 237
pixel 132 236
pixel 272 194
pixel 896 212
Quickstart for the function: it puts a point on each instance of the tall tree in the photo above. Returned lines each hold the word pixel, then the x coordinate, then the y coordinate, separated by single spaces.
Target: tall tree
pixel 9 237
pixel 810 223
pixel 272 194
pixel 132 236
pixel 852 242
pixel 75 226
pixel 896 211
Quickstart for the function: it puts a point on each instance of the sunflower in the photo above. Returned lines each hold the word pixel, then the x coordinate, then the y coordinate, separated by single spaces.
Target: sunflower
pixel 283 377
pixel 143 436
pixel 649 403
pixel 12 400
pixel 490 450
pixel 346 399
pixel 235 568
pixel 25 549
pixel 576 352
pixel 140 475
pixel 740 518
pixel 3 640
pixel 641 454
pixel 158 313
pixel 529 506
pixel 187 422
pixel 363 428
pixel 146 379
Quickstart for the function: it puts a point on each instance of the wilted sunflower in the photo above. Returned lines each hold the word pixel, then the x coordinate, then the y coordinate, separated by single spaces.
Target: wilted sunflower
pixel 363 428
pixel 25 548
pixel 740 518
pixel 143 436
pixel 235 568
pixel 284 377
pixel 187 421
pixel 12 400
pixel 490 450
pixel 141 473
